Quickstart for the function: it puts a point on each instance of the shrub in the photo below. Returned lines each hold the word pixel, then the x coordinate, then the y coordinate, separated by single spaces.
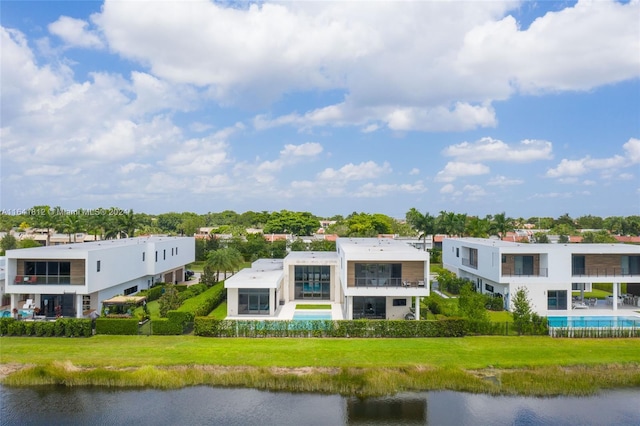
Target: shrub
pixel 165 327
pixel 209 327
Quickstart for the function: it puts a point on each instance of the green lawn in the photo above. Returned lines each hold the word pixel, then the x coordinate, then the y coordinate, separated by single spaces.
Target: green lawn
pixel 220 312
pixel 312 306
pixel 598 294
pixel 465 353
pixel 500 316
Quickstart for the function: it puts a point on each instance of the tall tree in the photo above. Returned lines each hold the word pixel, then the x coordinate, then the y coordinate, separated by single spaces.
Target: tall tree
pixel 501 224
pixel 521 312
pixel 424 224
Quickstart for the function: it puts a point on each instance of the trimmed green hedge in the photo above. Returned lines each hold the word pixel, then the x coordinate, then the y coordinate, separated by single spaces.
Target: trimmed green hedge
pixel 181 319
pixel 166 327
pixel 209 327
pixel 121 326
pixel 62 327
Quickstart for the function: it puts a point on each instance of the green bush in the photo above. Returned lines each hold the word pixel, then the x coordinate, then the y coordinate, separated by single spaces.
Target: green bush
pixel 69 327
pixel 45 329
pixel 117 326
pixel 165 327
pixel 209 327
pixel 15 328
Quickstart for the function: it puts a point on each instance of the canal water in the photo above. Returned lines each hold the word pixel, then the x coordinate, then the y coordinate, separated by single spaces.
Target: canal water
pixel 245 407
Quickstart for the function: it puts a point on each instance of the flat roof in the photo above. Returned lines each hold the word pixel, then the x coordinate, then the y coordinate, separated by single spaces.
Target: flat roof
pixel 255 278
pixel 92 245
pixel 312 257
pixel 586 248
pixel 379 248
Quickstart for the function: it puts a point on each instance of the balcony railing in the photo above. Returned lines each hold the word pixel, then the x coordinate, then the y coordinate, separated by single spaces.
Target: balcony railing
pixel 470 263
pixel 519 272
pixel 604 272
pixel 388 282
pixel 49 279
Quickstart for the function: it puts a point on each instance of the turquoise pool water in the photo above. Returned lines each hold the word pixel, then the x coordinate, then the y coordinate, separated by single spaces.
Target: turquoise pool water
pixel 310 316
pixel 8 314
pixel 595 322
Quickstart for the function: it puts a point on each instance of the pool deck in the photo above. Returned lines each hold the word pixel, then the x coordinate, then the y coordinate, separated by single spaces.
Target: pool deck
pixel 286 311
pixel 603 310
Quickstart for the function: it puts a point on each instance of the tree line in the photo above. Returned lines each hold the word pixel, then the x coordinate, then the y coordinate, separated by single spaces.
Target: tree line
pixel 113 222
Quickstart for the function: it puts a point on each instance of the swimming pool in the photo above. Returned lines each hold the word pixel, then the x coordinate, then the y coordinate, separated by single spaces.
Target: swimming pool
pixel 595 322
pixel 311 316
pixel 8 314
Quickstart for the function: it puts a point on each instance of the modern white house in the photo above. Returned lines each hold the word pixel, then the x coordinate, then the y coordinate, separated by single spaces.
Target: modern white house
pixel 550 272
pixel 77 278
pixel 366 278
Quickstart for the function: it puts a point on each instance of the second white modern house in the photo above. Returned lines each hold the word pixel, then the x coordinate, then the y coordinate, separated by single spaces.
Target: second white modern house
pixel 377 278
pixel 549 272
pixel 74 279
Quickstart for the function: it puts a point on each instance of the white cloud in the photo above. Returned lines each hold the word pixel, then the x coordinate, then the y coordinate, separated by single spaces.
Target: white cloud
pixel 489 149
pixel 456 169
pixel 590 44
pixel 371 190
pixel 74 32
pixel 609 166
pixel 447 189
pixel 309 149
pixel 414 171
pixel 504 181
pixel 349 172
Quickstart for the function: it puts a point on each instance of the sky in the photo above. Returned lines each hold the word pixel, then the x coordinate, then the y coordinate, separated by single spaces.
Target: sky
pixel 531 108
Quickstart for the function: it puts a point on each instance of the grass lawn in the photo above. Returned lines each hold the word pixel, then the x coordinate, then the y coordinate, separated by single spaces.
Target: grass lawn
pixel 197 266
pixel 467 353
pixel 500 316
pixel 220 312
pixel 598 294
pixel 312 306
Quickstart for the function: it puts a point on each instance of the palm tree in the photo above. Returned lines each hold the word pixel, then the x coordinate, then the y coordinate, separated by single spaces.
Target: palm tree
pixel 227 259
pixel 478 228
pixel 425 224
pixel 72 224
pixel 500 225
pixel 127 224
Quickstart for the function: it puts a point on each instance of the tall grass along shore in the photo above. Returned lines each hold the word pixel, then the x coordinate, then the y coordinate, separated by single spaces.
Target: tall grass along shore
pixel 537 366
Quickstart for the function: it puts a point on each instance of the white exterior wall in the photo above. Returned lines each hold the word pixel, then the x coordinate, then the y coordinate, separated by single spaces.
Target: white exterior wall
pixel 232 302
pixel 556 269
pixel 397 312
pixel 121 267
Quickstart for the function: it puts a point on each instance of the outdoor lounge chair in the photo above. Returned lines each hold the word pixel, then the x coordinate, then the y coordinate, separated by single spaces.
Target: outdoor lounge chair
pixel 580 305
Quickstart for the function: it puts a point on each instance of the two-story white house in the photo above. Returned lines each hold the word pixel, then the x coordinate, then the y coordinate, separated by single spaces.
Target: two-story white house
pixel 366 277
pixel 550 272
pixel 78 277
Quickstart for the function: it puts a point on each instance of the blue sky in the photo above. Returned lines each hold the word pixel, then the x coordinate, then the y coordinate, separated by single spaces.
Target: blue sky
pixel 529 108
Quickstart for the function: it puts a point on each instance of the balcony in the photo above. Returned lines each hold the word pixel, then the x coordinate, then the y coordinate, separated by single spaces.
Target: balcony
pixel 49 280
pixel 604 272
pixel 471 263
pixel 388 282
pixel 523 272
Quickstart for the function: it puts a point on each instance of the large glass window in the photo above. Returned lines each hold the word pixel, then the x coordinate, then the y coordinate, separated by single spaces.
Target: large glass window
pixel 253 301
pixel 378 274
pixel 48 272
pixel 52 305
pixel 312 282
pixel 557 300
pixel 578 264
pixel 369 307
pixel 524 265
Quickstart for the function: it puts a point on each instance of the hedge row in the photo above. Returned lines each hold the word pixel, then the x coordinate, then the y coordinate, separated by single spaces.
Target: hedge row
pixel 62 327
pixel 119 326
pixel 180 320
pixel 209 327
pixel 166 327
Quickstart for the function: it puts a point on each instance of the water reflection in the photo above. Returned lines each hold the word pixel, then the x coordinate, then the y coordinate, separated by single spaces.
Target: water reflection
pixel 216 406
pixel 404 409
